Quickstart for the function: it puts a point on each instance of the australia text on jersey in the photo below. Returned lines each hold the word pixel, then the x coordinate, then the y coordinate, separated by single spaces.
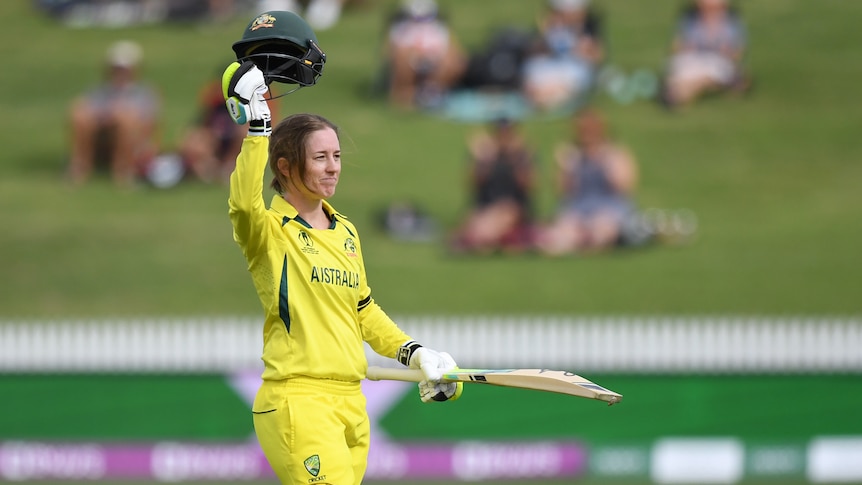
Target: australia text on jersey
pixel 334 276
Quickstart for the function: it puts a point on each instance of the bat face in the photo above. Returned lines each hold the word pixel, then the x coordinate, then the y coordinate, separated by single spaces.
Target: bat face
pixel 562 382
pixel 558 381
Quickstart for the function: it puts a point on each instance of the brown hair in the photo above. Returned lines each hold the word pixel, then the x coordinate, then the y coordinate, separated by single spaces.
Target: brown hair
pixel 288 141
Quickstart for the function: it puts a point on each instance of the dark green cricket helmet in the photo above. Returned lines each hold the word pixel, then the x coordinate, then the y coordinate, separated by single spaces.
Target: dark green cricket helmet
pixel 283 46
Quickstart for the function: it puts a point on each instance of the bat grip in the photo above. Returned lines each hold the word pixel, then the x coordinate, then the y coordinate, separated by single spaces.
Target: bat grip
pixel 375 373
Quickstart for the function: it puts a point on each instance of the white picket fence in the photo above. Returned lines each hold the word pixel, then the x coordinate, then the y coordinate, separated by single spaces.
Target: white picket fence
pixel 606 344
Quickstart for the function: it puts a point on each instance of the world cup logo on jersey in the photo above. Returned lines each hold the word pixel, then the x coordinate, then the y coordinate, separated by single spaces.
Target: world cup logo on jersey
pixel 307 243
pixel 305 239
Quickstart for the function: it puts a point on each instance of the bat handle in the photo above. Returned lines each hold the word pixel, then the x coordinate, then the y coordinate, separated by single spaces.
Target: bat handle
pixel 375 373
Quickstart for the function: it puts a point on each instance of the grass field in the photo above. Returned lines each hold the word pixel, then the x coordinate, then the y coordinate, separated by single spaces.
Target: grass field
pixel 773 177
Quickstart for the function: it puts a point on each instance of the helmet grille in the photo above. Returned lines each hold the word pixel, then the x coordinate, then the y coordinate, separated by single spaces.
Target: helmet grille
pixel 286 62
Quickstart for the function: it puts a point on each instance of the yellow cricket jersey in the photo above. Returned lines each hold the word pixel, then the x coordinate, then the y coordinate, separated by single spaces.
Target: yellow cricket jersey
pixel 311 282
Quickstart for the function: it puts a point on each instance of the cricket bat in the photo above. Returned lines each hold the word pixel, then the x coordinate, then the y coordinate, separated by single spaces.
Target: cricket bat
pixel 558 381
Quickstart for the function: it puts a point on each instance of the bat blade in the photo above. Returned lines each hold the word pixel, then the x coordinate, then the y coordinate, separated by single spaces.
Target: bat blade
pixel 557 381
pixel 562 382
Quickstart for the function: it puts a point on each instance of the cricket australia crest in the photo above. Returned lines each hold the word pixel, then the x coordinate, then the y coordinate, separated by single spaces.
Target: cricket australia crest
pixel 312 464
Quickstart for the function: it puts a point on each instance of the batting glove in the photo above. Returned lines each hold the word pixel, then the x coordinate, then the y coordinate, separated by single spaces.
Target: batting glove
pixel 432 364
pixel 440 391
pixel 243 87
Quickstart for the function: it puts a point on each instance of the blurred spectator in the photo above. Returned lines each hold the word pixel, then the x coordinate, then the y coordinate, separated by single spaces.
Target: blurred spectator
pixel 595 180
pixel 115 125
pixel 405 220
pixel 497 66
pixel 209 147
pixel 566 55
pixel 502 176
pixel 424 58
pixel 320 14
pixel 707 52
pixel 221 10
pixel 125 13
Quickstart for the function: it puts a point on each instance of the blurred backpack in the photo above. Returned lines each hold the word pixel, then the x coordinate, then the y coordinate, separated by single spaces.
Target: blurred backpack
pixel 499 64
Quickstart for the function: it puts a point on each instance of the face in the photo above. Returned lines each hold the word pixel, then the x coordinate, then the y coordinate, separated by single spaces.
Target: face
pixel 322 164
pixel 711 5
pixel 505 131
pixel 120 75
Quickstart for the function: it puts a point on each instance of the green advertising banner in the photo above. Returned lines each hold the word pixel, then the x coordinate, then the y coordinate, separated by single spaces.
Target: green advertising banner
pixel 762 408
pixel 682 429
pixel 769 408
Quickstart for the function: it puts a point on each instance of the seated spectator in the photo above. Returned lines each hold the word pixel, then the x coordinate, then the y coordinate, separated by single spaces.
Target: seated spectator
pixel 320 14
pixel 209 147
pixel 114 125
pixel 565 57
pixel 424 57
pixel 595 179
pixel 502 174
pixel 497 66
pixel 707 52
pixel 406 220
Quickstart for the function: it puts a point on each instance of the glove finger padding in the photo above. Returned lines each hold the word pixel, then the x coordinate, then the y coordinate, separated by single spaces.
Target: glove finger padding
pixel 440 391
pixel 243 81
pixel 433 364
pixel 243 87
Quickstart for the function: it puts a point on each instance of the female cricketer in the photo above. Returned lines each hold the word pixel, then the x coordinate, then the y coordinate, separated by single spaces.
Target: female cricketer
pixel 305 259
